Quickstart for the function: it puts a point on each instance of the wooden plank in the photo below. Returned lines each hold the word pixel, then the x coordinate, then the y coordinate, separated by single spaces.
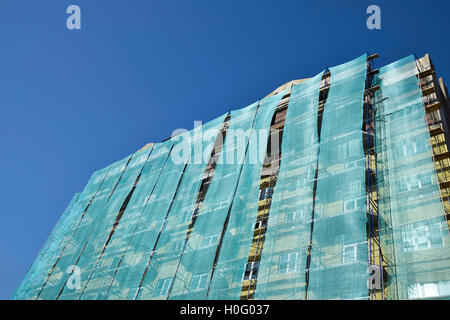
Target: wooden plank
pixel 372 89
pixel 436 131
pixel 433 107
pixel 442 156
pixel 445 185
pixel 426 73
pixel 428 91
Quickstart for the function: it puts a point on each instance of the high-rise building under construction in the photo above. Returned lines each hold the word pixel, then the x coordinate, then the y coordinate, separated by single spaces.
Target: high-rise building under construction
pixel 332 187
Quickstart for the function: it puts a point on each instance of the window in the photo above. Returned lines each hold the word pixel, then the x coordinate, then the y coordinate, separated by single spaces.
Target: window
pixel 209 241
pixel 414 182
pixel 425 180
pixel 299 184
pixel 350 205
pixel 177 245
pixel 251 270
pixel 402 185
pixel 350 253
pixel 405 150
pixel 162 287
pixel 198 281
pixel 291 216
pixel 429 290
pixel 288 262
pixel 261 223
pixel 420 237
pixel 444 288
pixel 354 147
pixel 350 165
pixel 265 193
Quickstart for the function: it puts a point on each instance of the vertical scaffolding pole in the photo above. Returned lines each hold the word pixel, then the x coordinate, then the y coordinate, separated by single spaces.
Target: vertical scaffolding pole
pixel 372 196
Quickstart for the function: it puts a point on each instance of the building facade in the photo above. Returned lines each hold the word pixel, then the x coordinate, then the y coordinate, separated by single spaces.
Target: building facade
pixel 332 187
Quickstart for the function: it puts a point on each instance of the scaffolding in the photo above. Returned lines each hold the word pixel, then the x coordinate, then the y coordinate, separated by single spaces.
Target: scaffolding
pixel 352 185
pixel 414 230
pixel 369 131
pixel 268 180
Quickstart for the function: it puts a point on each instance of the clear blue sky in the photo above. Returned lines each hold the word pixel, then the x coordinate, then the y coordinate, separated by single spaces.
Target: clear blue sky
pixel 74 101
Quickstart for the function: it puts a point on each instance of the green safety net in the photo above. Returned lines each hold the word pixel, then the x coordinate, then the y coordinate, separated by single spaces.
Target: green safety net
pixel 132 263
pixel 103 225
pixel 281 273
pixel 205 242
pixel 413 229
pixel 90 216
pixel 338 266
pixel 62 236
pixel 193 273
pixel 236 241
pixel 43 262
pixel 117 269
pixel 136 231
pixel 158 269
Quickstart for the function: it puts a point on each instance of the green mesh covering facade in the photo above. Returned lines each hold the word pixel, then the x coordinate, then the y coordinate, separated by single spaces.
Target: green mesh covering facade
pixel 339 218
pixel 288 234
pixel 179 219
pixel 413 229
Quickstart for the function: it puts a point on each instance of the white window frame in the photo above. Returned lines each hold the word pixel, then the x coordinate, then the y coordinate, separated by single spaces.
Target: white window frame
pixel 297 214
pixel 177 245
pixel 423 290
pixel 164 290
pixel 355 251
pixel 198 278
pixel 424 235
pixel 354 258
pixel 346 202
pixel 350 165
pixel 211 240
pixel 290 255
